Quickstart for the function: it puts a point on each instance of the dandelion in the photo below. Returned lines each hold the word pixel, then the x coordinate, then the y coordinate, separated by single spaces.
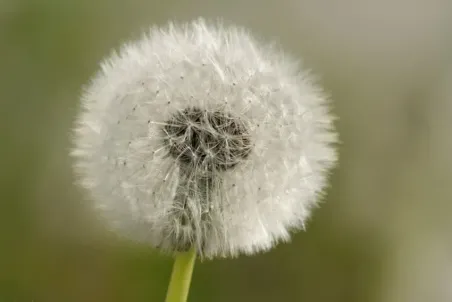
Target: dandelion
pixel 198 138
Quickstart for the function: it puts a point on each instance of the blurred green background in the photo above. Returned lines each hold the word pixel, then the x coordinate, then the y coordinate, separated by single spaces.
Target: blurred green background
pixel 383 232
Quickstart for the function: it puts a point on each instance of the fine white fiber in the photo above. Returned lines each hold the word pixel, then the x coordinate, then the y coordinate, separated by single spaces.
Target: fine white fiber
pixel 198 135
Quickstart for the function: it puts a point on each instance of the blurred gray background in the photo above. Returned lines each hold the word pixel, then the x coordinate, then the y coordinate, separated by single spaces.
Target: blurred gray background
pixel 383 232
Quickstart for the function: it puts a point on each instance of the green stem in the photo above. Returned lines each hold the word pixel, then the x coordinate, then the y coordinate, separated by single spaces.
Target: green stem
pixel 181 276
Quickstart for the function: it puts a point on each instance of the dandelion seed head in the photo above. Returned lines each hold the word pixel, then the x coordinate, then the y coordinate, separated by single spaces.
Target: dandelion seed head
pixel 197 135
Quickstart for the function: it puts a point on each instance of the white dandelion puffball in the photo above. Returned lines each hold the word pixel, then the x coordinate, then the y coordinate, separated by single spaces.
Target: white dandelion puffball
pixel 198 136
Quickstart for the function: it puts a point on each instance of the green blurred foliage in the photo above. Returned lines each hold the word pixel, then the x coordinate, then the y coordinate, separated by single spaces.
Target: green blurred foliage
pixel 390 191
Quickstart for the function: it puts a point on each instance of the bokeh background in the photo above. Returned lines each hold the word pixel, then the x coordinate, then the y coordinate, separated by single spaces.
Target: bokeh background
pixel 383 232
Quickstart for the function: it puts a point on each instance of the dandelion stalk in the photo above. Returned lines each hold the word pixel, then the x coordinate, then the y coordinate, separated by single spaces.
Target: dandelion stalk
pixel 179 285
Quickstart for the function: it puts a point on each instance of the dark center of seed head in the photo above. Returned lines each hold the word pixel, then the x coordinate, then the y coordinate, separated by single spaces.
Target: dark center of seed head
pixel 207 140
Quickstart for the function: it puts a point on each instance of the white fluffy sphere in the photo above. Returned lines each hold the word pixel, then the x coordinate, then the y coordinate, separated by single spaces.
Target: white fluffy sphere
pixel 199 136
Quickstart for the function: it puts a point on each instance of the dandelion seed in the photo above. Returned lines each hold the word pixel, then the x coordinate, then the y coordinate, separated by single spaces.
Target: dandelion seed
pixel 225 142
